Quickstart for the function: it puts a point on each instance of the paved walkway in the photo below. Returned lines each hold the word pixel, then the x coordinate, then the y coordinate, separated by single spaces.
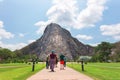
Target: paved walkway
pixel 67 74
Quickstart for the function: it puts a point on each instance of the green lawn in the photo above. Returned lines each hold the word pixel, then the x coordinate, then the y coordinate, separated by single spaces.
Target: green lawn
pixel 18 71
pixel 99 71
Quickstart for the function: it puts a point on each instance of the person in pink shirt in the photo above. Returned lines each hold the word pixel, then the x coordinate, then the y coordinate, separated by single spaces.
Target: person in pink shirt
pixel 52 60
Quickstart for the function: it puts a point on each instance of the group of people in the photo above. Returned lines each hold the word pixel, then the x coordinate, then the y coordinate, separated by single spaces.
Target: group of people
pixel 52 61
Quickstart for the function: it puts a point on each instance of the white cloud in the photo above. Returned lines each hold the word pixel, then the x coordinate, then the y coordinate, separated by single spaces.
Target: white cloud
pixel 111 30
pixel 91 14
pixel 30 41
pixel 12 46
pixel 21 35
pixel 117 37
pixel 68 29
pixel 4 33
pixel 95 44
pixel 66 13
pixel 1 24
pixel 42 25
pixel 15 46
pixel 84 37
pixel 8 35
pixel 63 12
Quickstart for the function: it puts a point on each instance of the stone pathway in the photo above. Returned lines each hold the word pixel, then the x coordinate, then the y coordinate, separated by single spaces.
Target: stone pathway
pixel 67 74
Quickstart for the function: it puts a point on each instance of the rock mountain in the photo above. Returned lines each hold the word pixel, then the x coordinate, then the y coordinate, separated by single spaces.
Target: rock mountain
pixel 59 39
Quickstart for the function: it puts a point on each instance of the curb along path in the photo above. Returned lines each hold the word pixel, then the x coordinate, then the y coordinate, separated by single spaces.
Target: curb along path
pixel 67 74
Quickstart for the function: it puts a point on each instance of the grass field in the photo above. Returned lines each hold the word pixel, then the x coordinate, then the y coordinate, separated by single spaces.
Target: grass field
pixel 18 71
pixel 99 71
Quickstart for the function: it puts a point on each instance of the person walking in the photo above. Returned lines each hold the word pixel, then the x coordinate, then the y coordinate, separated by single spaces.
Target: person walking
pixel 47 62
pixel 62 62
pixel 52 60
pixel 56 61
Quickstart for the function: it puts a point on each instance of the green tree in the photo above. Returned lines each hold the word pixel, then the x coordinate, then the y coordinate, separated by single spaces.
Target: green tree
pixel 6 55
pixel 102 52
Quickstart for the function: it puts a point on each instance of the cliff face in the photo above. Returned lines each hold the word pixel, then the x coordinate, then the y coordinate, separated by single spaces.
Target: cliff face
pixel 60 40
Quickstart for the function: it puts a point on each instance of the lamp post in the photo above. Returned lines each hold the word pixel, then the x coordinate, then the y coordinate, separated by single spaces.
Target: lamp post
pixel 33 65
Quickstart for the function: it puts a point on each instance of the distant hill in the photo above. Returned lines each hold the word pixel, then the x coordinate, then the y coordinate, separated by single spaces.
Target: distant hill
pixel 115 55
pixel 59 39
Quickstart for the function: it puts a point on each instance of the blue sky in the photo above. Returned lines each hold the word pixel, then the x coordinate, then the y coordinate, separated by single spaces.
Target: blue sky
pixel 90 21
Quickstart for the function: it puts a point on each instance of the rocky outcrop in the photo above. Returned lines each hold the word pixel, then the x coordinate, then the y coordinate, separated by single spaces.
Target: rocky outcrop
pixel 59 39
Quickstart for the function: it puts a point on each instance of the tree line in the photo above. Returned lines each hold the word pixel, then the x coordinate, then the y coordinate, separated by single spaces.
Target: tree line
pixel 8 56
pixel 104 52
